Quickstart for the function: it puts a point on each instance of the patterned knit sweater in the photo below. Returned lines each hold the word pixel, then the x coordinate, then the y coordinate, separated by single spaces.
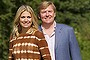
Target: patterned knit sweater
pixel 29 47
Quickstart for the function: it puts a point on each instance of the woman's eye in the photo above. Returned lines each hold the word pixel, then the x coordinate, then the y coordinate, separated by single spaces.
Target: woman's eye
pixel 28 16
pixel 22 16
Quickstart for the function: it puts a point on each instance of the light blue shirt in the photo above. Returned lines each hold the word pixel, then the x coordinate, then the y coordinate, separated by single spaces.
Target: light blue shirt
pixel 51 42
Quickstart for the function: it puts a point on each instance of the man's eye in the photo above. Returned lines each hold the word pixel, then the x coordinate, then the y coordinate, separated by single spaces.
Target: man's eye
pixel 28 16
pixel 43 12
pixel 22 16
pixel 49 11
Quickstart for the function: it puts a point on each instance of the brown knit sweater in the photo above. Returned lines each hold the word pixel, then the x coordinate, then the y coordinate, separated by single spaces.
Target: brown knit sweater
pixel 29 47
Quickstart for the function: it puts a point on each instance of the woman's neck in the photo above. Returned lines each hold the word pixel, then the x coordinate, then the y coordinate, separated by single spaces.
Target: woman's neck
pixel 24 30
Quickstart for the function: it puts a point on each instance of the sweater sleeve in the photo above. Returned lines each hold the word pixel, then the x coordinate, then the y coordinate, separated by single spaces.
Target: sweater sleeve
pixel 10 49
pixel 43 46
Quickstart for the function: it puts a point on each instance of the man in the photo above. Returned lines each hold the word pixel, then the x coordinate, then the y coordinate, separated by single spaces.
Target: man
pixel 60 38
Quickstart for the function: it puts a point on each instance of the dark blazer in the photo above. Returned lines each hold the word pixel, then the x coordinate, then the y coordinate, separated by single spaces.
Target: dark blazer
pixel 66 45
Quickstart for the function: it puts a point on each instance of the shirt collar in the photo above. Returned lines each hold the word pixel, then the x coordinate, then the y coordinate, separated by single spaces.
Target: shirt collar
pixel 54 27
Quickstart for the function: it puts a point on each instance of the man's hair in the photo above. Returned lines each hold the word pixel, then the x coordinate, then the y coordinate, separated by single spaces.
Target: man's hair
pixel 45 4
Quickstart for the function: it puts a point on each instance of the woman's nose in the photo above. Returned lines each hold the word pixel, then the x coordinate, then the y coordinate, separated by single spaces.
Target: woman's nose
pixel 26 19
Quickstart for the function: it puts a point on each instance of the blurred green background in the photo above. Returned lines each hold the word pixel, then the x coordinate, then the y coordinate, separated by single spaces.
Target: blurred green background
pixel 75 13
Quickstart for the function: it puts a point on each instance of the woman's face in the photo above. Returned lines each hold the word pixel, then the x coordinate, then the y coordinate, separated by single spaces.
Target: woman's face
pixel 25 20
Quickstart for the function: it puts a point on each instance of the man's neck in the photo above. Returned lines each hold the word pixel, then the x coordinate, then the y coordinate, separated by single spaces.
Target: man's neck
pixel 48 28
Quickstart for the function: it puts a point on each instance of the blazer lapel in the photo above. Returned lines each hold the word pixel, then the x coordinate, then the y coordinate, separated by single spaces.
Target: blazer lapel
pixel 57 34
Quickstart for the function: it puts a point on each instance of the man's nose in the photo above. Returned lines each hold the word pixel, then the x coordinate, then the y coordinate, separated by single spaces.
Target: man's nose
pixel 47 14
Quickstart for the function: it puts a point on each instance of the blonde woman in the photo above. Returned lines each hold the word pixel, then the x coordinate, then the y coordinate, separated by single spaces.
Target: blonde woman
pixel 26 41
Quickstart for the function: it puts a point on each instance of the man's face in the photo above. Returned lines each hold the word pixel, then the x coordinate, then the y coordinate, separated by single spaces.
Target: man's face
pixel 47 15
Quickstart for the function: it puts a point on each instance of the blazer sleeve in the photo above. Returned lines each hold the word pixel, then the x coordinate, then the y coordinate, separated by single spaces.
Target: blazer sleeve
pixel 74 47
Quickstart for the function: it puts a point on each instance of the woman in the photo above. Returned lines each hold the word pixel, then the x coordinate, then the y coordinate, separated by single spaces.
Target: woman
pixel 26 41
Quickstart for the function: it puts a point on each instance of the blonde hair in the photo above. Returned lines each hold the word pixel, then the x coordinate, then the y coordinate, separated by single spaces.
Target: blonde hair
pixel 45 4
pixel 16 25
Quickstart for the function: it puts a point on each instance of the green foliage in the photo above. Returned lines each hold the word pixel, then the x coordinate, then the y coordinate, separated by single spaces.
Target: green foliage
pixel 75 13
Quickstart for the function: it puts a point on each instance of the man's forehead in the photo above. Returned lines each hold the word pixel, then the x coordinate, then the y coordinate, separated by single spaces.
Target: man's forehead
pixel 47 8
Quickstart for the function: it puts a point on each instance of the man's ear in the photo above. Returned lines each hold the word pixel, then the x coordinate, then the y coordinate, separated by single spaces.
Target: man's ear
pixel 54 14
pixel 38 17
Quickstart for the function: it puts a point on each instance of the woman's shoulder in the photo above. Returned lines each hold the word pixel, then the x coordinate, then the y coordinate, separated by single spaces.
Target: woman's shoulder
pixel 39 34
